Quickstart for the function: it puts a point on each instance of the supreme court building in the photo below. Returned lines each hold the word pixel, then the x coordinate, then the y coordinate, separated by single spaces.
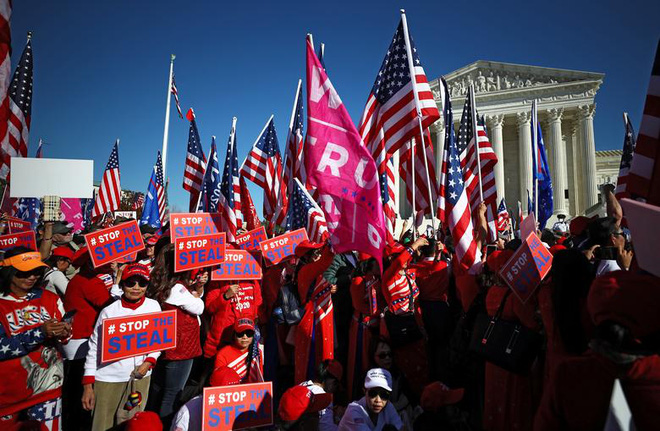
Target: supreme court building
pixel 566 108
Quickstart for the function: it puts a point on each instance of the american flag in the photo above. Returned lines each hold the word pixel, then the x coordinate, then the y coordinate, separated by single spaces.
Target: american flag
pixel 29 209
pixel 304 212
pixel 644 176
pixel 153 213
pixel 193 173
pixel 5 76
pixel 626 159
pixel 454 209
pixel 109 195
pixel 15 139
pixel 293 161
pixel 503 219
pixel 487 159
pixel 387 196
pixel 250 218
pixel 211 182
pixel 423 202
pixel 138 201
pixel 230 188
pixel 263 166
pixel 175 93
pixel 390 117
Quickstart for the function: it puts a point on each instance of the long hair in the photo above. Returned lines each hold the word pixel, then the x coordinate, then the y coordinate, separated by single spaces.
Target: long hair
pixel 7 273
pixel 163 277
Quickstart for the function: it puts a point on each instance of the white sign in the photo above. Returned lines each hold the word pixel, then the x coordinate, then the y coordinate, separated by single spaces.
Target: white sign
pixel 126 214
pixel 644 220
pixel 35 178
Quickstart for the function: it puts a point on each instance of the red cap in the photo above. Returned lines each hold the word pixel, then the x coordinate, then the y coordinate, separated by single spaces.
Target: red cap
pixel 63 251
pixel 630 299
pixel 224 376
pixel 144 421
pixel 135 269
pixel 335 369
pixel 243 324
pixel 298 400
pixel 307 246
pixel 579 224
pixel 152 240
pixel 80 257
pixel 557 248
pixel 498 258
pixel 437 394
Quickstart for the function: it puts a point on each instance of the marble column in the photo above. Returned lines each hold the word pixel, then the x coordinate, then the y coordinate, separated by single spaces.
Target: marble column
pixel 438 131
pixel 586 116
pixel 559 173
pixel 572 151
pixel 524 157
pixel 495 124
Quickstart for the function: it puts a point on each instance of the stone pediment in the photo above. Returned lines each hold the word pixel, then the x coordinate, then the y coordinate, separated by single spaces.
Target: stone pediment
pixel 496 77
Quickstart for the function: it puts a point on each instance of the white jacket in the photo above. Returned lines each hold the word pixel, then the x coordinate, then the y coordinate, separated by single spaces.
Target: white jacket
pixel 120 370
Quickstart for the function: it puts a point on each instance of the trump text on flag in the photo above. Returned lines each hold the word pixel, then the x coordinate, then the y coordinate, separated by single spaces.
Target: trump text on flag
pixel 237 407
pixel 238 265
pixel 125 337
pixel 279 248
pixel 17 225
pixel 250 241
pixel 185 225
pixel 199 251
pixel 24 239
pixel 113 243
pixel 527 267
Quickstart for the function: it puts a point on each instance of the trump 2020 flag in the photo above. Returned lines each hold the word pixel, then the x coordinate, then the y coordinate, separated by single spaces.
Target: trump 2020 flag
pixel 341 168
pixel 154 204
pixel 541 174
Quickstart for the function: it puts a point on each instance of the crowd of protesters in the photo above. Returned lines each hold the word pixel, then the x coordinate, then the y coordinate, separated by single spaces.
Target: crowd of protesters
pixel 349 343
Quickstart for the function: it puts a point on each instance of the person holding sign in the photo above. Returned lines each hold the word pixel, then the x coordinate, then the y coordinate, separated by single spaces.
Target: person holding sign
pixel 244 355
pixel 174 291
pixel 31 329
pixel 108 386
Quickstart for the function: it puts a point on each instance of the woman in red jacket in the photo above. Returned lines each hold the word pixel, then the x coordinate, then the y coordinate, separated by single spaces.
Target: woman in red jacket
pixel 173 291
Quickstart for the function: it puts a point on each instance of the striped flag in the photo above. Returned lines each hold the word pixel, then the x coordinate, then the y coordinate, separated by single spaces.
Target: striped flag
pixel 305 213
pixel 387 196
pixel 263 166
pixel 503 218
pixel 15 138
pixel 229 197
pixel 424 185
pixel 250 218
pixel 626 159
pixel 175 93
pixel 153 213
pixel 454 208
pixel 5 75
pixel 109 194
pixel 487 161
pixel 293 161
pixel 29 209
pixel 193 173
pixel 644 176
pixel 138 201
pixel 390 118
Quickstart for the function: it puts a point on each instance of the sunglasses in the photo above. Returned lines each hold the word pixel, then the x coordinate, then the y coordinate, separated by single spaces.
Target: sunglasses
pixel 249 333
pixel 38 272
pixel 384 355
pixel 383 394
pixel 64 259
pixel 131 282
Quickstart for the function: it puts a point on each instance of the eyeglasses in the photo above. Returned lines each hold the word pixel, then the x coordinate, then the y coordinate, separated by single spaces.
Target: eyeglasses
pixel 249 333
pixel 38 272
pixel 384 355
pixel 132 282
pixel 382 393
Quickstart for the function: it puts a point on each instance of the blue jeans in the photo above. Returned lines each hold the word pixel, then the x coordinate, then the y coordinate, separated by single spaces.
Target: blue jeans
pixel 169 382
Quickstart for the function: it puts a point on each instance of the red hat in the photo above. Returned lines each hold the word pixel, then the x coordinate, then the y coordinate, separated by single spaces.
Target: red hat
pixel 630 299
pixel 80 257
pixel 306 246
pixel 298 400
pixel 335 369
pixel 579 224
pixel 152 240
pixel 243 324
pixel 393 248
pixel 144 421
pixel 498 258
pixel 557 248
pixel 135 269
pixel 437 394
pixel 63 251
pixel 224 376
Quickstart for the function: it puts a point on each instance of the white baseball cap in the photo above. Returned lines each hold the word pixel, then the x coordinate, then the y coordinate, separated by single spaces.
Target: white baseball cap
pixel 378 378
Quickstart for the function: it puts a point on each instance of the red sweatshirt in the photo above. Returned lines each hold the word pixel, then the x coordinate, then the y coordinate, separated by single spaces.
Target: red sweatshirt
pixel 87 294
pixel 432 279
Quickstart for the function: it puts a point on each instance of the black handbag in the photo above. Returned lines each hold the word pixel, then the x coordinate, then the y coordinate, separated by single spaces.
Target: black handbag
pixel 292 312
pixel 507 344
pixel 403 328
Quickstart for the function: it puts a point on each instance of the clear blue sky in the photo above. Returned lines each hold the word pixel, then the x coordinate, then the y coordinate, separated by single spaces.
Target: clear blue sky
pixel 101 67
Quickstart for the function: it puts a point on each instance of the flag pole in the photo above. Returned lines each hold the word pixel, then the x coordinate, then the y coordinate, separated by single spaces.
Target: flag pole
pixel 473 110
pixel 535 148
pixel 411 68
pixel 625 120
pixel 167 115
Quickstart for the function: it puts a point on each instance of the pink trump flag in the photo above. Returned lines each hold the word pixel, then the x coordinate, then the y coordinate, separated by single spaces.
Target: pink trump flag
pixel 341 168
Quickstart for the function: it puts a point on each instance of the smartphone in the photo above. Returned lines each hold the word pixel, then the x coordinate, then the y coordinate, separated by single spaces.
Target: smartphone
pixel 490 248
pixel 429 232
pixel 68 316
